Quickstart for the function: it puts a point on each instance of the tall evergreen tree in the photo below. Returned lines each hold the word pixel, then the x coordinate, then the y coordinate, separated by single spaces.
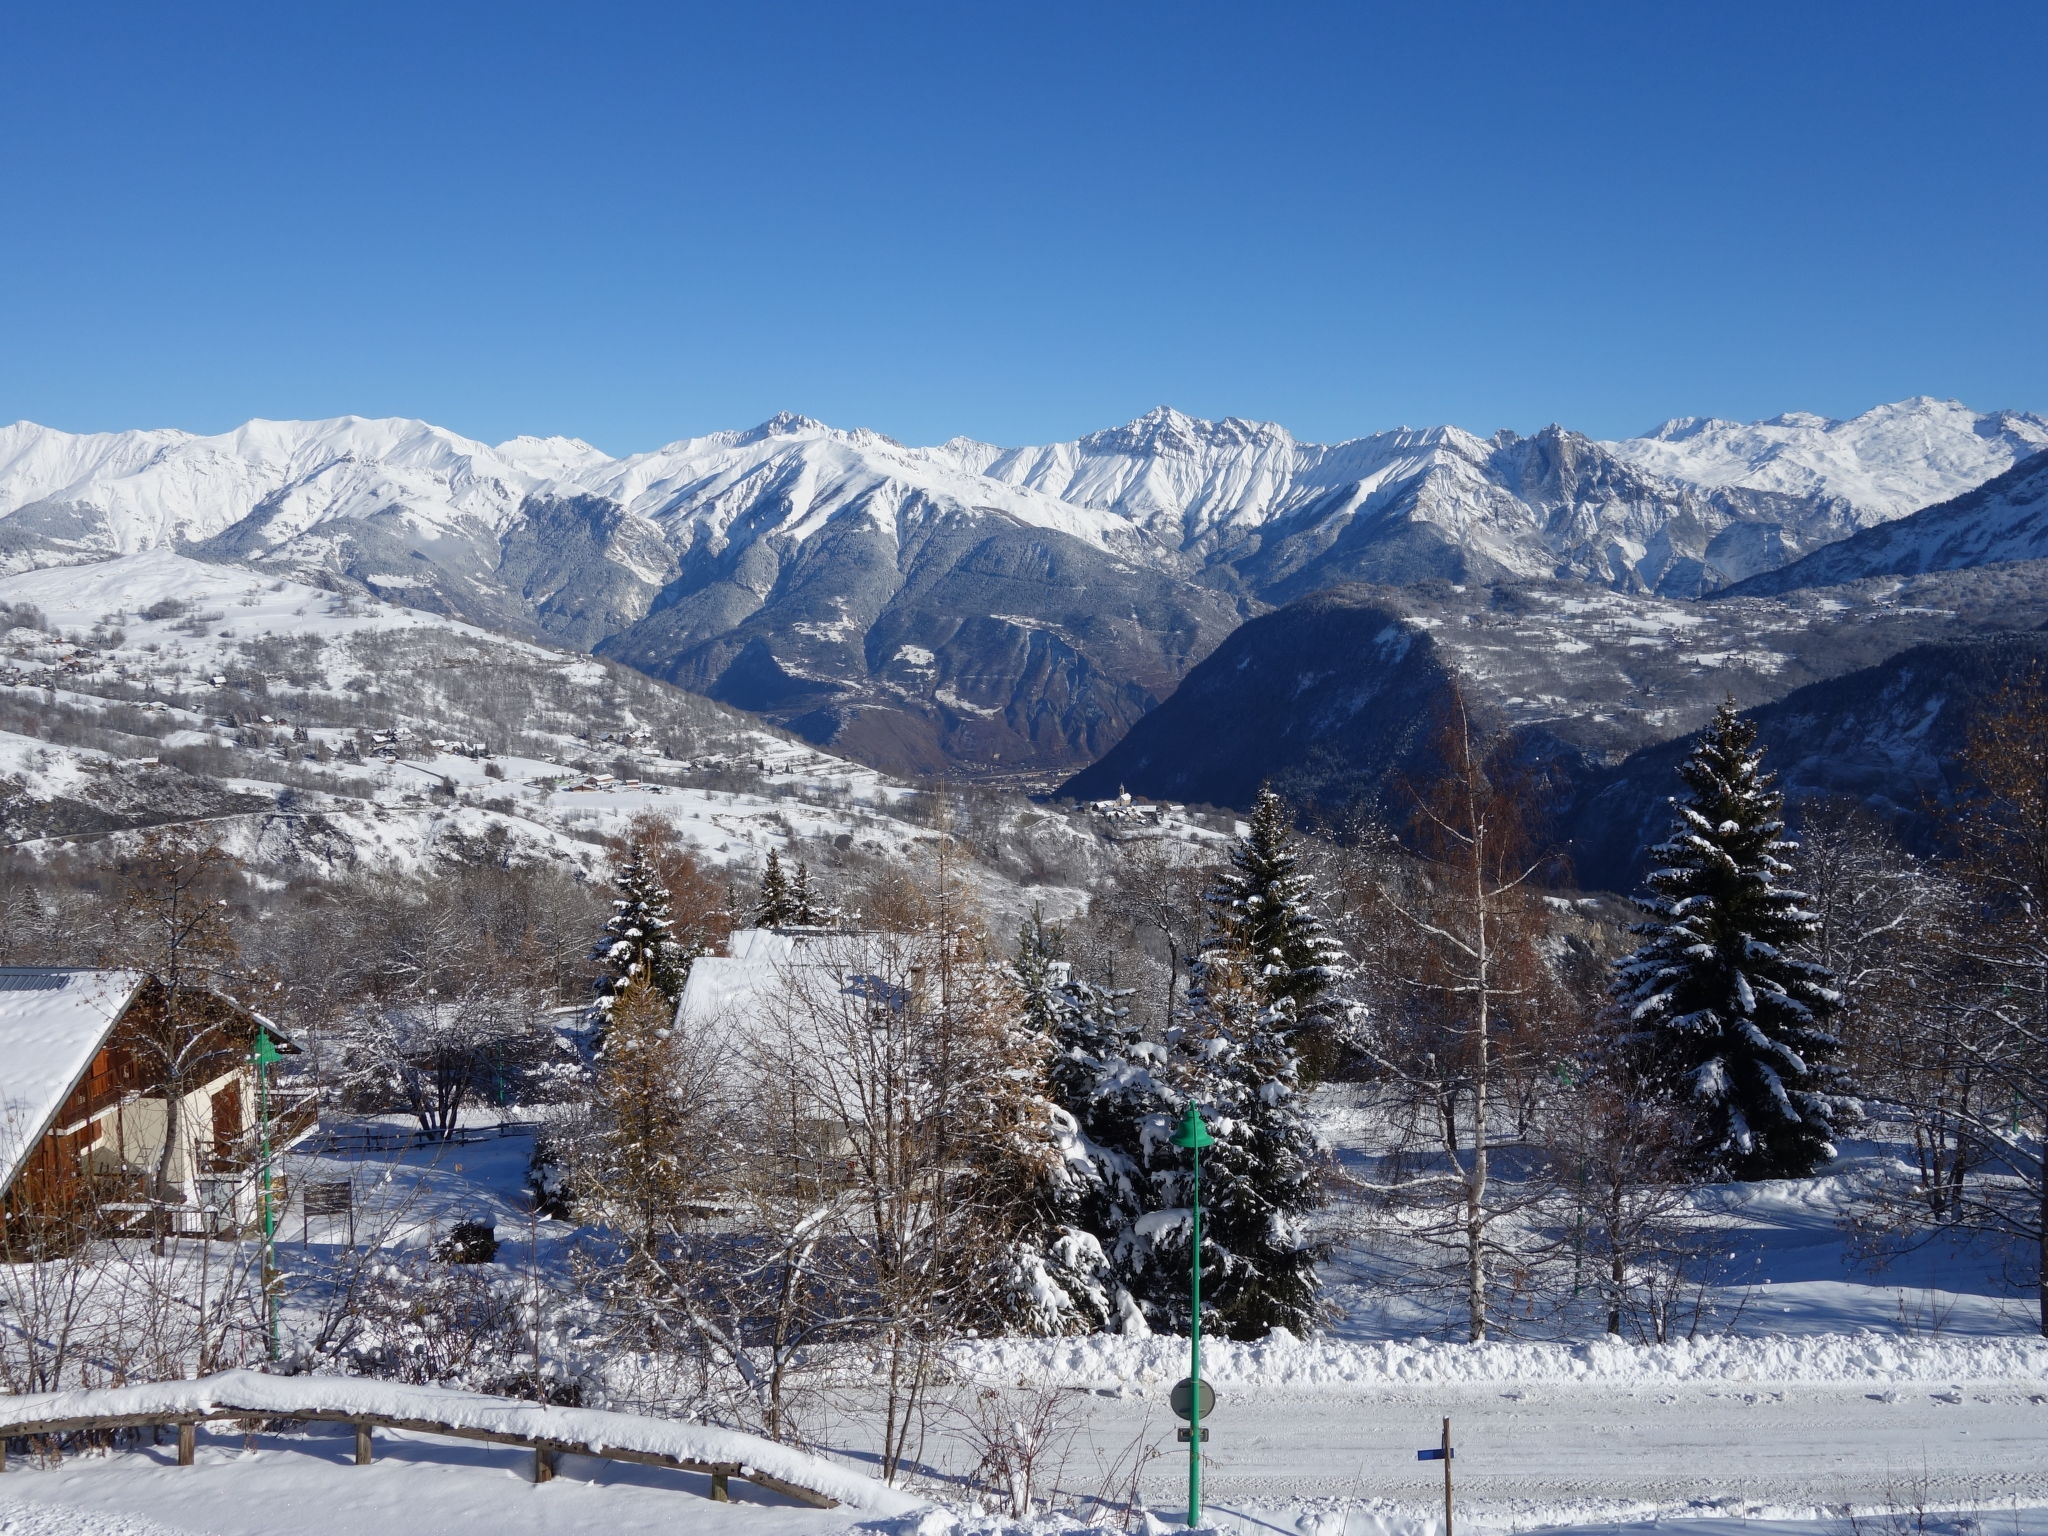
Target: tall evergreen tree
pixel 1261 1181
pixel 1263 988
pixel 1718 1015
pixel 638 943
pixel 777 907
pixel 1263 914
pixel 1107 1099
pixel 639 1155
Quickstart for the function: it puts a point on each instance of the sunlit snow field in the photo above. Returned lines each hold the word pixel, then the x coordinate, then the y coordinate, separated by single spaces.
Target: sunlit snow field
pixel 1832 1399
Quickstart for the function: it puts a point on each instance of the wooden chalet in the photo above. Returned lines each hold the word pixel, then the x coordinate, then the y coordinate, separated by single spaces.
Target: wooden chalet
pixel 90 1062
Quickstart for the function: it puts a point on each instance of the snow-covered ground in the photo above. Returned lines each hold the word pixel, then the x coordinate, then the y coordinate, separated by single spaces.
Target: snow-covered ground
pixel 1916 1398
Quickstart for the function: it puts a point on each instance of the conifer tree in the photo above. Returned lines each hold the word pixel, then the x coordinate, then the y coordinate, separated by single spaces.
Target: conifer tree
pixel 1263 913
pixel 639 1158
pixel 638 943
pixel 1719 1016
pixel 808 908
pixel 1107 1098
pixel 1262 985
pixel 1261 1181
pixel 777 906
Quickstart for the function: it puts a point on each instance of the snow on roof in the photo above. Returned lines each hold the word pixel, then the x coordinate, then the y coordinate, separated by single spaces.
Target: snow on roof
pixel 760 971
pixel 801 999
pixel 52 1021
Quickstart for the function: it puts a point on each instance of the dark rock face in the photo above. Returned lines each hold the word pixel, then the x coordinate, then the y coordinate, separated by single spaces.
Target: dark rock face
pixel 1333 699
pixel 1330 699
pixel 1016 611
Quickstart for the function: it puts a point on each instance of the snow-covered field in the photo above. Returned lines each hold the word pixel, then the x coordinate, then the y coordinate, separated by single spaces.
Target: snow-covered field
pixel 1916 1401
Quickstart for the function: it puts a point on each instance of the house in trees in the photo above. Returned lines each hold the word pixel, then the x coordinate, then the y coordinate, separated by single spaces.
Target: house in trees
pixel 837 1039
pixel 122 1107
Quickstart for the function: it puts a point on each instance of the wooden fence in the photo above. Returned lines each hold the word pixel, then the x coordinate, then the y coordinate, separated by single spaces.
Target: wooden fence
pixel 545 1449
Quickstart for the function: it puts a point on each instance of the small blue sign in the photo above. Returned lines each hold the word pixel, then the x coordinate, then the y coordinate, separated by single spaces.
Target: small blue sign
pixel 1435 1455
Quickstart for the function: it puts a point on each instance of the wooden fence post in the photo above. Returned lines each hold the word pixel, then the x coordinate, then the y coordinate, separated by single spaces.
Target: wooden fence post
pixel 187 1432
pixel 543 1464
pixel 362 1444
pixel 718 1488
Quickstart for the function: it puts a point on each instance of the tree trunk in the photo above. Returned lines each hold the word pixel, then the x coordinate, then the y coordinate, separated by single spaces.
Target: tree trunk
pixel 1482 1065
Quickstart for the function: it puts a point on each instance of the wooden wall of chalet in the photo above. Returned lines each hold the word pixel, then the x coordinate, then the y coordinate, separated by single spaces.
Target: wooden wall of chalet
pixel 52 1203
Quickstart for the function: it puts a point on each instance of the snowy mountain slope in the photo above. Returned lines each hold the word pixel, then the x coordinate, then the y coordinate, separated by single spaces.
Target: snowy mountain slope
pixel 114 493
pixel 1283 517
pixel 1010 611
pixel 310 730
pixel 1887 462
pixel 2004 519
pixel 1331 697
pixel 774 551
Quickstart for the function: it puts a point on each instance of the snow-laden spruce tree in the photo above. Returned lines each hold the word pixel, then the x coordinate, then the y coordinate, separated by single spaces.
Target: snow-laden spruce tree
pixel 1105 1099
pixel 1262 988
pixel 1718 1013
pixel 777 907
pixel 1262 912
pixel 809 909
pixel 638 942
pixel 1237 1060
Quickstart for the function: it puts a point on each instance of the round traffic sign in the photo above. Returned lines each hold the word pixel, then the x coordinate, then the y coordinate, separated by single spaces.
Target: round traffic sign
pixel 1183 1398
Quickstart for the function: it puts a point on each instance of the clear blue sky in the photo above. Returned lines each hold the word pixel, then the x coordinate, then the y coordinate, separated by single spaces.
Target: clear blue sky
pixel 634 222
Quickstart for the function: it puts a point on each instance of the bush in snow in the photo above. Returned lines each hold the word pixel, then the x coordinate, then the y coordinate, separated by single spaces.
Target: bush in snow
pixel 468 1242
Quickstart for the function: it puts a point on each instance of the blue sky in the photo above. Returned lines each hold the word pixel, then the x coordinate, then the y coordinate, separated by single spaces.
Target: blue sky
pixel 634 222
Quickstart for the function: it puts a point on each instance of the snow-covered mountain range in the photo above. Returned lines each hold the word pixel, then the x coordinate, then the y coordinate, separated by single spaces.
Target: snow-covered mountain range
pixel 2004 519
pixel 966 604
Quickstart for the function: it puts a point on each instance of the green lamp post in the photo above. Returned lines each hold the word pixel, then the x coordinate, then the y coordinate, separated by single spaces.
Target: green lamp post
pixel 1194 1135
pixel 265 1055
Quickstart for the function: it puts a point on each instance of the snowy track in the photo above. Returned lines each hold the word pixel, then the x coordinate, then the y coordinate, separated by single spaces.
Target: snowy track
pixel 1552 1433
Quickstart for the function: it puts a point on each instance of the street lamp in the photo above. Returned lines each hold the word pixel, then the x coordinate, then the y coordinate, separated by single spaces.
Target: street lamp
pixel 1193 1135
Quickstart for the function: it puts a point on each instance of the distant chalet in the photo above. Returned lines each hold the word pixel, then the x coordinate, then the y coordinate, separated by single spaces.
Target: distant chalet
pixel 85 1097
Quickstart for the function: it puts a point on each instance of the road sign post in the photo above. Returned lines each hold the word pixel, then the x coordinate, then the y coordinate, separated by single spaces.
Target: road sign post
pixel 1443 1453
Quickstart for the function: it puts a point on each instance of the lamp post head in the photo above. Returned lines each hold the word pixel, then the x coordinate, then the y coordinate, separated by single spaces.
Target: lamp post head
pixel 1193 1134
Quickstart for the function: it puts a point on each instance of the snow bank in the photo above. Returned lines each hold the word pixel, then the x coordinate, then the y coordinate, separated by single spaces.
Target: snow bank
pixel 1284 1361
pixel 288 1395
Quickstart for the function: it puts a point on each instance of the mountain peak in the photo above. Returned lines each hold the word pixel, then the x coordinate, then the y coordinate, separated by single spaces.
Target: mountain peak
pixel 782 424
pixel 1166 430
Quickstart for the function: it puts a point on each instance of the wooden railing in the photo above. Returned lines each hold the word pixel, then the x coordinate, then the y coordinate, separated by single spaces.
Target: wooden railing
pixel 546 1448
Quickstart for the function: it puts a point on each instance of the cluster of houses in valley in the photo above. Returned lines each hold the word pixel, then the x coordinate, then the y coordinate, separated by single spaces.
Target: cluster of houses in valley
pixel 125 1107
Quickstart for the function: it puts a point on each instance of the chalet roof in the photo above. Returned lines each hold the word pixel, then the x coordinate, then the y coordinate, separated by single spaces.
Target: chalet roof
pixel 52 1022
pixel 758 971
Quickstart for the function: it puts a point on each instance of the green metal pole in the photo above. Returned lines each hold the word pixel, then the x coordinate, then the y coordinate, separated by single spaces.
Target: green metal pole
pixel 1195 1350
pixel 265 1054
pixel 1194 1135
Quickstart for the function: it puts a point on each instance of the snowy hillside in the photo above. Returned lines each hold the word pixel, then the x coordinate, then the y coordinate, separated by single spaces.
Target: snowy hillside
pixel 1333 696
pixel 324 731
